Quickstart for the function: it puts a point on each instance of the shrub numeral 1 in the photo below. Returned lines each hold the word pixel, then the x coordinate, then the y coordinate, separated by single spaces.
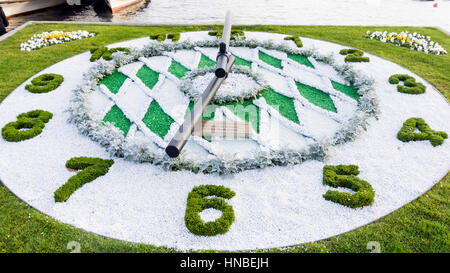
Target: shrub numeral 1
pixel 91 168
pixel 345 176
pixel 198 201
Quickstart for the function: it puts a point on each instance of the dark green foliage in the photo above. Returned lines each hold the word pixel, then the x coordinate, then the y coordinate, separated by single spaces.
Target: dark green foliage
pixel 296 40
pixel 160 37
pixel 407 132
pixel 233 36
pixel 284 105
pixel 275 62
pixel 345 176
pixel 174 36
pixel 90 167
pixel 113 81
pixel 242 62
pixel 148 76
pixel 157 120
pixel 205 61
pixel 349 90
pixel 316 97
pixel 354 55
pixel 300 59
pixel 33 121
pixel 410 85
pixel 198 201
pixel 118 118
pixel 177 69
pixel 106 53
pixel 44 83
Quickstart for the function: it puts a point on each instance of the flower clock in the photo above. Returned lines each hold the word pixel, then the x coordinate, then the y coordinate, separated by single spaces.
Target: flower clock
pixel 332 141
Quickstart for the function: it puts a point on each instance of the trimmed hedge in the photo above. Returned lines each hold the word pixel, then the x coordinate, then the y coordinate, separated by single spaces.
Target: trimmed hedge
pixel 354 55
pixel 410 85
pixel 34 121
pixel 45 83
pixel 407 132
pixel 233 36
pixel 197 202
pixel 296 40
pixel 91 168
pixel 105 53
pixel 345 176
pixel 160 37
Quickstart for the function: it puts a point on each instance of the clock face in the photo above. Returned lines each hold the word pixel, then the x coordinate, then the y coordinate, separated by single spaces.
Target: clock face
pixel 281 184
pixel 296 105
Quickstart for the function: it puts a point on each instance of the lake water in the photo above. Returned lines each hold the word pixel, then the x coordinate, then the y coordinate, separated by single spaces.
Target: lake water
pixel 292 12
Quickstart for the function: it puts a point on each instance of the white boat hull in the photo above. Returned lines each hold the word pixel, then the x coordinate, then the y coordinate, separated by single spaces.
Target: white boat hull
pixel 14 8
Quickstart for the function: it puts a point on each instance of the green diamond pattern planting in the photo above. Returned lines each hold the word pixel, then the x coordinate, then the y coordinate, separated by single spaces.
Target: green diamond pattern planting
pixel 350 91
pixel 242 62
pixel 178 69
pixel 117 117
pixel 148 76
pixel 300 59
pixel 316 97
pixel 205 61
pixel 269 59
pixel 284 105
pixel 157 120
pixel 114 81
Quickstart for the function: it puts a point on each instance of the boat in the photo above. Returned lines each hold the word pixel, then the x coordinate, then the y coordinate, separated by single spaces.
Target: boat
pixel 19 7
pixel 115 6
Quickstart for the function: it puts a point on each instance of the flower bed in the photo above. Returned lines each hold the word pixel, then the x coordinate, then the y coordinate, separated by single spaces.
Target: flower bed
pixel 52 38
pixel 413 41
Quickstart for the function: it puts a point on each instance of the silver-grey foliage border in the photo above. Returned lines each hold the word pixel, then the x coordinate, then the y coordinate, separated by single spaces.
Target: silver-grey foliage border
pixel 187 85
pixel 136 148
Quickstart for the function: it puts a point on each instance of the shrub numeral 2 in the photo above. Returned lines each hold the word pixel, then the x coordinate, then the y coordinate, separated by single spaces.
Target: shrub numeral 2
pixel 345 176
pixel 91 168
pixel 354 55
pixel 198 201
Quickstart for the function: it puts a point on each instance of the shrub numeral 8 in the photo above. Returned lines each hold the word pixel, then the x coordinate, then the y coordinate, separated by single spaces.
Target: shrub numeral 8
pixel 33 122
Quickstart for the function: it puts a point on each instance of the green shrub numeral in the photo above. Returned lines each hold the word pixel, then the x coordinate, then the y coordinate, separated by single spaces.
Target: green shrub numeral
pixel 407 132
pixel 33 122
pixel 296 40
pixel 160 37
pixel 410 85
pixel 91 168
pixel 198 201
pixel 345 176
pixel 45 83
pixel 354 55
pixel 233 36
pixel 105 53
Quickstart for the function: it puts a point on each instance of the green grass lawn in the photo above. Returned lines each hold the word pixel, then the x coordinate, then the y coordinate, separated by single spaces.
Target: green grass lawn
pixel 420 226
